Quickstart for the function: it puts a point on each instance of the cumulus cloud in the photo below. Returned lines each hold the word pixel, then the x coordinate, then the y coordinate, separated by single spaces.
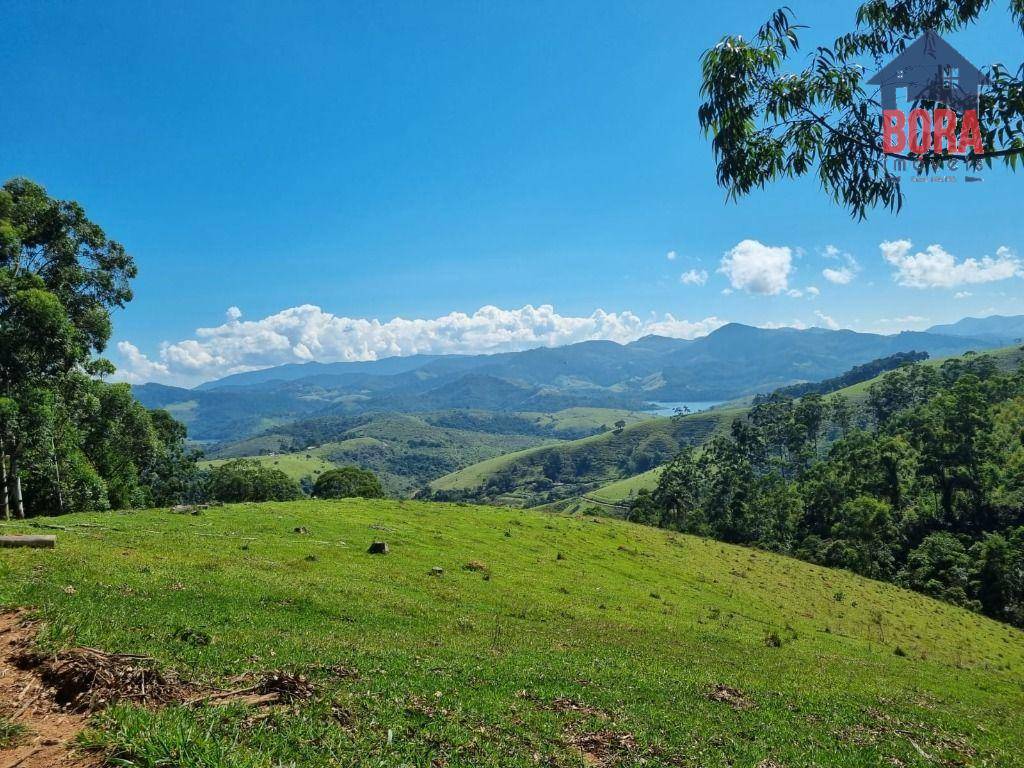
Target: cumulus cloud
pixel 963 295
pixel 812 290
pixel 901 322
pixel 934 267
pixel 671 255
pixel 904 319
pixel 307 333
pixel 840 276
pixel 754 267
pixel 694 277
pixel 137 368
pixel 800 325
pixel 826 321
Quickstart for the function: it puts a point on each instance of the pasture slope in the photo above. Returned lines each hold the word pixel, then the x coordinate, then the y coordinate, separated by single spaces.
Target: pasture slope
pixel 544 640
pixel 591 461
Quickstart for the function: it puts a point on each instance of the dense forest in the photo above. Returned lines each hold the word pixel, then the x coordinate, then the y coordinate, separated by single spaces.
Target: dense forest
pixel 922 486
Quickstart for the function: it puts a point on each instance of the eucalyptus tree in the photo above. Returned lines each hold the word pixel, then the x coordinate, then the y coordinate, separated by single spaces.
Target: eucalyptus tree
pixel 60 278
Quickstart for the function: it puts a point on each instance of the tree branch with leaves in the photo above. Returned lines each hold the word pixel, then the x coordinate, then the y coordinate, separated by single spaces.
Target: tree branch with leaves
pixel 769 120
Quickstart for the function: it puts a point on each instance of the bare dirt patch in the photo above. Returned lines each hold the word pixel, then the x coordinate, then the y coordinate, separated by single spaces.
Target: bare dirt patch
pixel 28 701
pixel 726 694
pixel 565 704
pixel 603 748
pixel 52 695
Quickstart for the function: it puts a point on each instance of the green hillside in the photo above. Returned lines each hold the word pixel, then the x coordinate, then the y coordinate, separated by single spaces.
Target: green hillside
pixel 295 465
pixel 546 474
pixel 573 421
pixel 513 479
pixel 546 640
pixel 613 498
pixel 405 451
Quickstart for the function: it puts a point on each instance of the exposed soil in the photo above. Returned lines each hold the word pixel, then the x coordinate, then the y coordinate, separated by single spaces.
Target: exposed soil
pixel 25 699
pixel 726 694
pixel 52 696
pixel 564 704
pixel 603 748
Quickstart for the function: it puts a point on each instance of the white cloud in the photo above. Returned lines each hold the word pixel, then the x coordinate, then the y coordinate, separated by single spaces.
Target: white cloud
pixel 754 267
pixel 963 295
pixel 812 290
pixel 794 293
pixel 137 367
pixel 827 321
pixel 694 277
pixel 934 267
pixel 841 276
pixel 681 329
pixel 671 255
pixel 800 325
pixel 233 313
pixel 306 333
pixel 901 323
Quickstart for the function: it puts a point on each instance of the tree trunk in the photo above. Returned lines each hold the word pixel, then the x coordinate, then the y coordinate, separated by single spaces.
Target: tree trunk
pixel 4 506
pixel 15 484
pixel 56 470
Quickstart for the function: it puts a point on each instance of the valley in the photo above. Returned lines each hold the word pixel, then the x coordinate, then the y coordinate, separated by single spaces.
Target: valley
pixel 492 427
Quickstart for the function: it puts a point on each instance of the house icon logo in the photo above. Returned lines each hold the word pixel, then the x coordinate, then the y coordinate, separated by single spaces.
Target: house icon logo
pixel 933 72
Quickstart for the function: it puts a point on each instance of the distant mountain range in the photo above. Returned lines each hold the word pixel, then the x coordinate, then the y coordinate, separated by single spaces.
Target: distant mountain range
pixel 997 328
pixel 733 361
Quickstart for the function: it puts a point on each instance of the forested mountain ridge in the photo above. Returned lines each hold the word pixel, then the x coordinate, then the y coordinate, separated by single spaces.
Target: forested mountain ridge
pixel 1006 330
pixel 733 361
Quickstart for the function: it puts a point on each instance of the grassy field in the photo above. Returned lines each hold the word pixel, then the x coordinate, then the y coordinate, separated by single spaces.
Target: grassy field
pixel 572 420
pixel 295 465
pixel 568 641
pixel 613 498
pixel 622 490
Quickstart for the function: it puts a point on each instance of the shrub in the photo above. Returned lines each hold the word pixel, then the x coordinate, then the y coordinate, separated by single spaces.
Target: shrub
pixel 247 480
pixel 348 482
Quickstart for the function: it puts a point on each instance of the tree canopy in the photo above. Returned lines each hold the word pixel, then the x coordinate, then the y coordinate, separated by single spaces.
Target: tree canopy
pixel 68 440
pixel 348 482
pixel 923 484
pixel 248 480
pixel 770 118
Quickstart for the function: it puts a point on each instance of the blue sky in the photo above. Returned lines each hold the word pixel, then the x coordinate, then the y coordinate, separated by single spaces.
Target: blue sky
pixel 416 160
